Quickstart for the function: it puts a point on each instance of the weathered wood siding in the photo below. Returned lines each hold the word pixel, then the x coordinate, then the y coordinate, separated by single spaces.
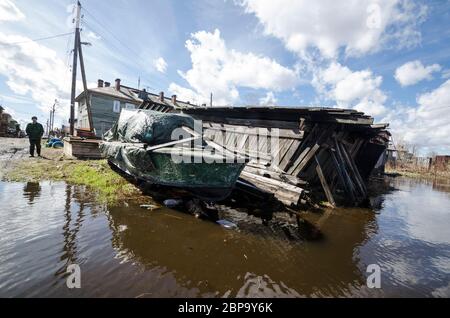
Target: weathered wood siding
pixel 103 114
pixel 329 149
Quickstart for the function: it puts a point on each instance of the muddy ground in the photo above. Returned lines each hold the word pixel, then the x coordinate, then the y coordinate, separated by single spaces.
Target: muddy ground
pixel 12 150
pixel 15 151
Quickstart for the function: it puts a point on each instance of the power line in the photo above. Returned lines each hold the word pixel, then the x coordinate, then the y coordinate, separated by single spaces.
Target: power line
pixel 138 59
pixel 37 40
pixel 137 62
pixel 110 32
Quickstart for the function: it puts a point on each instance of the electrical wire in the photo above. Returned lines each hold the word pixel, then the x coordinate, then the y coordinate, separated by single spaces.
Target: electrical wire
pixel 38 40
pixel 138 59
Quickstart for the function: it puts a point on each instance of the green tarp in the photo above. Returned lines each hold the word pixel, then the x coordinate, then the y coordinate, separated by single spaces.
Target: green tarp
pixel 147 126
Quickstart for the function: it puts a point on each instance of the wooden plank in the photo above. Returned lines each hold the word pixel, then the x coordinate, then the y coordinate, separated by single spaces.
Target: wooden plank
pixel 290 168
pixel 287 150
pixel 283 133
pixel 262 123
pixel 278 184
pixel 339 171
pixel 264 172
pixel 320 140
pixel 295 159
pixel 172 143
pixel 307 159
pixel 354 170
pixel 324 183
pixel 285 193
pixel 347 179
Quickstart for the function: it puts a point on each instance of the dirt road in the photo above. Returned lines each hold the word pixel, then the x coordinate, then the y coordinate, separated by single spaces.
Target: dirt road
pixel 14 151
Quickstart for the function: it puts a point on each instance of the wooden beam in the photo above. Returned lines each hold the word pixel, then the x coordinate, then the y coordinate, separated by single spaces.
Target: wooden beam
pixel 282 133
pixel 264 172
pixel 324 183
pixel 355 171
pixel 86 92
pixel 347 179
pixel 172 143
pixel 307 159
pixel 318 143
pixel 298 154
pixel 286 193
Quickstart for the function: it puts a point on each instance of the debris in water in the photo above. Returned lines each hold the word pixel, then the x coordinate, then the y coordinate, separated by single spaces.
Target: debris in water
pixel 194 207
pixel 173 203
pixel 150 207
pixel 227 224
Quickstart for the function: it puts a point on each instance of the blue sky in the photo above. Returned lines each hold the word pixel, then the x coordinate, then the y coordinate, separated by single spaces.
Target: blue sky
pixel 388 58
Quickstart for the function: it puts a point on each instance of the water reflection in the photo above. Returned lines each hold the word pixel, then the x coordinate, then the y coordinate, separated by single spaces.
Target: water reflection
pixel 128 251
pixel 212 261
pixel 413 242
pixel 70 231
pixel 31 191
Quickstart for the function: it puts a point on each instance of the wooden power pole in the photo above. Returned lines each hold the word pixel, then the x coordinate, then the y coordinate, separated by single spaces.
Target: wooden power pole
pixel 52 117
pixel 74 68
pixel 77 51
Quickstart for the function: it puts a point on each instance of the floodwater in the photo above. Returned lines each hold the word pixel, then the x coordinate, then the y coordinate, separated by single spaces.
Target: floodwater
pixel 131 252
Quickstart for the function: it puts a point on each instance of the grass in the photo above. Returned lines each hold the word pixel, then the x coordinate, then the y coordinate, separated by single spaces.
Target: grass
pixel 110 187
pixel 417 173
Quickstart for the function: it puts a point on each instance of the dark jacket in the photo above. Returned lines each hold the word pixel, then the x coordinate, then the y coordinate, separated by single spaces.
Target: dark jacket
pixel 35 131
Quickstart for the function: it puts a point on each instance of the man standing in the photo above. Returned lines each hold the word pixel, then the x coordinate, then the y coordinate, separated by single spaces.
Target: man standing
pixel 35 131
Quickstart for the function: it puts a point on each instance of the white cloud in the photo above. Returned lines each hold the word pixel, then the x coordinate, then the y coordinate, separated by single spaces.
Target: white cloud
pixel 185 94
pixel 359 90
pixel 360 26
pixel 160 65
pixel 446 73
pixel 34 70
pixel 220 70
pixel 9 11
pixel 268 100
pixel 428 124
pixel 15 99
pixel 413 72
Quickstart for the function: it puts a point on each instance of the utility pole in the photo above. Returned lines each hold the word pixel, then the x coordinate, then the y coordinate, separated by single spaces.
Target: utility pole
pixel 49 122
pixel 211 100
pixel 52 116
pixel 86 93
pixel 74 68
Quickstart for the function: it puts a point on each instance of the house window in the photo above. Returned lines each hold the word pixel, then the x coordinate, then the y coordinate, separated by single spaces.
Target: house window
pixel 116 107
pixel 130 106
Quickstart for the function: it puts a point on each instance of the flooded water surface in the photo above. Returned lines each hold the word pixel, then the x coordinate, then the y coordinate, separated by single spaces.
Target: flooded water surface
pixel 132 252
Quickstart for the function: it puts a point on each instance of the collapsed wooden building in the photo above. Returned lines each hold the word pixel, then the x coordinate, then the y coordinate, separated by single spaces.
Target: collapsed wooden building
pixel 321 153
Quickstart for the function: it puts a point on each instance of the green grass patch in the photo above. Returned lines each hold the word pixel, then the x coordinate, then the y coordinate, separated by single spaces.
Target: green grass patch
pixel 110 187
